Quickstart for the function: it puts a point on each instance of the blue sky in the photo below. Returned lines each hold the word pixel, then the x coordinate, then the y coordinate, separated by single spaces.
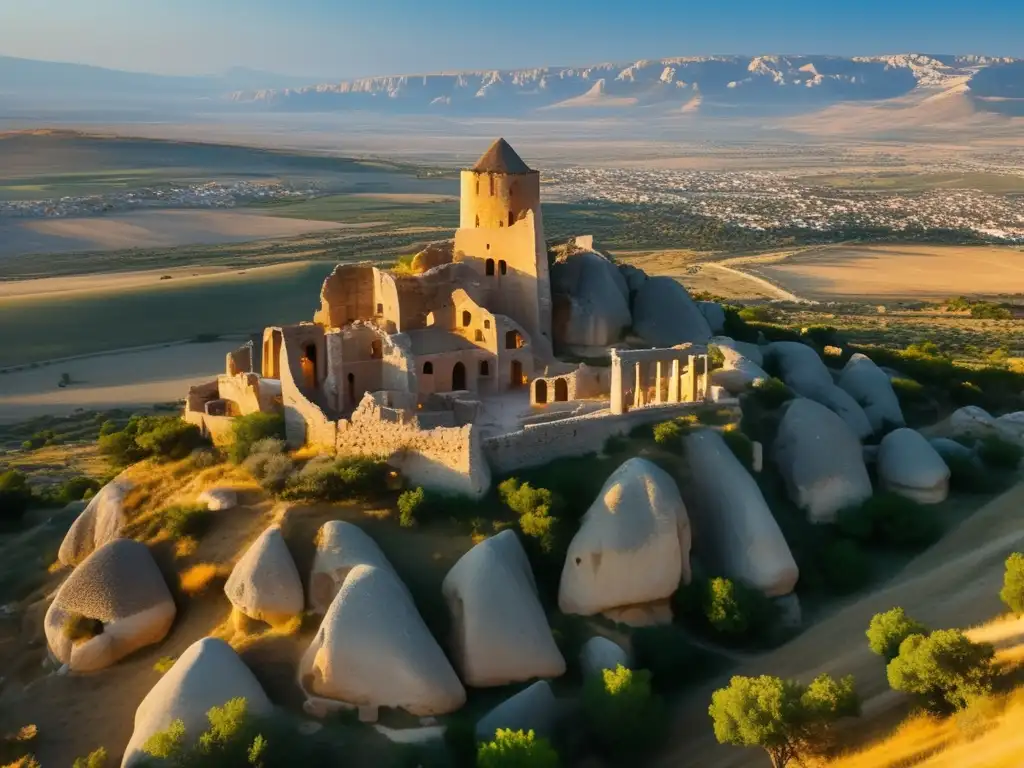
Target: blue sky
pixel 349 38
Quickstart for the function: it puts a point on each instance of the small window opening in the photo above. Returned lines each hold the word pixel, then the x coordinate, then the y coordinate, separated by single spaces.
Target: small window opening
pixel 487 323
pixel 376 351
pixel 467 318
pixel 502 267
pixel 479 335
pixel 511 218
pixel 380 309
pixel 485 369
pixel 428 369
pixel 489 267
pixel 478 222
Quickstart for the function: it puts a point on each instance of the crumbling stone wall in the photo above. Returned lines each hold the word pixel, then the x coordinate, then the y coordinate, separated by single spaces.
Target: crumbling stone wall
pixel 304 421
pixel 347 295
pixel 239 360
pixel 582 383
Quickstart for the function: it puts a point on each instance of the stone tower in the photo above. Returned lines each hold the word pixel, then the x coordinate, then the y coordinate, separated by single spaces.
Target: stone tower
pixel 501 234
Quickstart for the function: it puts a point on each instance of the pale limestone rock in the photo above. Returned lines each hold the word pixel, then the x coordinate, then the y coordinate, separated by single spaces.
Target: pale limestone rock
pixel 208 674
pixel 820 459
pixel 841 403
pixel 734 532
pixel 373 650
pixel 591 301
pixel 737 373
pixel 1011 426
pixel 599 653
pixel 799 366
pixel 789 613
pixel 714 314
pixel 633 545
pixel 219 499
pixel 532 709
pixel 340 547
pixel 101 522
pixel 971 421
pixel 265 584
pixel 910 466
pixel 753 352
pixel 872 389
pixel 501 634
pixel 120 585
pixel 664 314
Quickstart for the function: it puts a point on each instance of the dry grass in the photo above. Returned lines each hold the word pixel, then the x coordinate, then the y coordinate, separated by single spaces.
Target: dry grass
pixel 198 578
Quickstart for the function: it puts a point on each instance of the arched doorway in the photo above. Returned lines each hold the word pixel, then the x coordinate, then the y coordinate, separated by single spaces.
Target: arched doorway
pixel 540 390
pixel 516 378
pixel 561 390
pixel 458 377
pixel 351 390
pixel 308 363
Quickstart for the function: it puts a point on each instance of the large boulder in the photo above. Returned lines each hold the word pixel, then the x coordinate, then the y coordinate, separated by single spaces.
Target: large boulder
pixel 373 650
pixel 340 547
pixel 820 459
pixel 99 523
pixel 219 499
pixel 910 466
pixel 842 404
pixel 599 653
pixel 734 532
pixel 872 388
pixel 591 302
pixel 500 632
pixel 633 545
pixel 714 314
pixel 664 315
pixel 208 674
pixel 971 421
pixel 532 709
pixel 737 373
pixel 265 583
pixel 120 586
pixel 951 450
pixel 749 350
pixel 1011 426
pixel 434 255
pixel 634 277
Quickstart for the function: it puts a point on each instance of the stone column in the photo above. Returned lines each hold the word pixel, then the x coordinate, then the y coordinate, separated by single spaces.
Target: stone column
pixel 638 390
pixel 673 383
pixel 657 382
pixel 692 379
pixel 616 393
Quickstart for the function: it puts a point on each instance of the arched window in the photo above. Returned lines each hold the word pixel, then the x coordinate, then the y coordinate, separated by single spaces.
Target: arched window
pixel 489 267
pixel 502 267
pixel 513 340
pixel 428 368
pixel 511 218
pixel 375 349
pixel 380 309
pixel 467 318
pixel 479 335
pixel 487 323
pixel 561 390
pixel 540 392
pixel 485 369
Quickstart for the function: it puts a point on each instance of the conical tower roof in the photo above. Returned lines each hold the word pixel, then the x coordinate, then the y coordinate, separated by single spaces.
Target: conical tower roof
pixel 501 158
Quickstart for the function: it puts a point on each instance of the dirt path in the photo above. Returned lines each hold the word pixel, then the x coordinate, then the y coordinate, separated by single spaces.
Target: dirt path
pixel 767 285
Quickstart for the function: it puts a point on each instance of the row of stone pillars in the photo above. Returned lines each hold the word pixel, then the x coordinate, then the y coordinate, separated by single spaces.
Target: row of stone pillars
pixel 672 384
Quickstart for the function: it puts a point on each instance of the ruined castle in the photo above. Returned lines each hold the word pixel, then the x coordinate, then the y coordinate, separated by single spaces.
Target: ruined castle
pixel 448 370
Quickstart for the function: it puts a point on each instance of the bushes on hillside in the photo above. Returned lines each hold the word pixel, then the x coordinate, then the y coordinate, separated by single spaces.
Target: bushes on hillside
pixel 888 630
pixel 408 504
pixel 1012 593
pixel 338 479
pixel 944 669
pixel 623 715
pixel 737 611
pixel 15 496
pixel 967 474
pixel 535 507
pixel 516 749
pixel 999 453
pixel 669 433
pixel 248 430
pixel 843 567
pixel 95 759
pixel 770 393
pixel 671 658
pixel 162 437
pixel 269 464
pixel 890 520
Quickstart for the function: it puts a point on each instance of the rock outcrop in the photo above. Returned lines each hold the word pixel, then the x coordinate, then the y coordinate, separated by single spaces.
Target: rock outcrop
pixel 340 547
pixel 591 302
pixel 208 674
pixel 753 352
pixel 633 545
pixel 599 653
pixel 872 388
pixel 500 633
pixel 714 314
pixel 219 499
pixel 664 314
pixel 971 421
pixel 532 709
pixel 843 405
pixel 910 466
pixel 373 650
pixel 265 584
pixel 434 255
pixel 1011 426
pixel 737 373
pixel 734 532
pixel 120 586
pixel 100 522
pixel 820 459
pixel 952 450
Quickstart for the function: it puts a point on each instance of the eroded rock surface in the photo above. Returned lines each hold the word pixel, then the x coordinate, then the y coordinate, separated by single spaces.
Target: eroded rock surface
pixel 633 545
pixel 121 586
pixel 734 532
pixel 714 314
pixel 591 301
pixel 752 352
pixel 208 674
pixel 532 709
pixel 265 583
pixel 664 314
pixel 910 466
pixel 820 459
pixel 100 522
pixel 872 388
pixel 599 653
pixel 500 633
pixel 737 373
pixel 340 547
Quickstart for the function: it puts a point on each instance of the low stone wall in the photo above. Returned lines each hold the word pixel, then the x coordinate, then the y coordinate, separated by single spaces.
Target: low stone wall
pixel 537 444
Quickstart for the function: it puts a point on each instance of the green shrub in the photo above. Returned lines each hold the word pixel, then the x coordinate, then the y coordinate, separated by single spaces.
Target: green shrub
pixel 944 669
pixel 408 504
pixel 534 507
pixel 95 759
pixel 968 475
pixel 186 520
pixel 516 749
pixel 76 489
pixel 770 393
pixel 737 611
pixel 736 327
pixel 672 659
pixel 15 496
pixel 252 428
pixel 715 417
pixel 271 470
pixel 891 520
pixel 908 391
pixel 742 447
pixel 823 336
pixel 342 479
pixel 615 444
pixel 759 314
pixel 168 437
pixel 1000 453
pixel 624 717
pixel 1012 593
pixel 888 630
pixel 843 567
pixel 164 664
pixel 716 358
pixel 108 428
pixel 78 628
pixel 669 433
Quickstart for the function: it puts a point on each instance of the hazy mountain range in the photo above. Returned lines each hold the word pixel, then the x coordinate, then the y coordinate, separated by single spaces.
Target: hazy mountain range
pixel 919 88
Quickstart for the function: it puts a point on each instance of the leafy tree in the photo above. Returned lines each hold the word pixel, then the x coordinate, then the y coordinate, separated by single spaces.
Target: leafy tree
pixel 888 630
pixel 95 759
pixel 534 507
pixel 251 428
pixel 734 609
pixel 944 669
pixel 624 716
pixel 1012 592
pixel 783 717
pixel 516 749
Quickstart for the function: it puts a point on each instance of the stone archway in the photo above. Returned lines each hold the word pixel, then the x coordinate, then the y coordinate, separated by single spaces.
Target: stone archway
pixel 561 390
pixel 458 377
pixel 540 389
